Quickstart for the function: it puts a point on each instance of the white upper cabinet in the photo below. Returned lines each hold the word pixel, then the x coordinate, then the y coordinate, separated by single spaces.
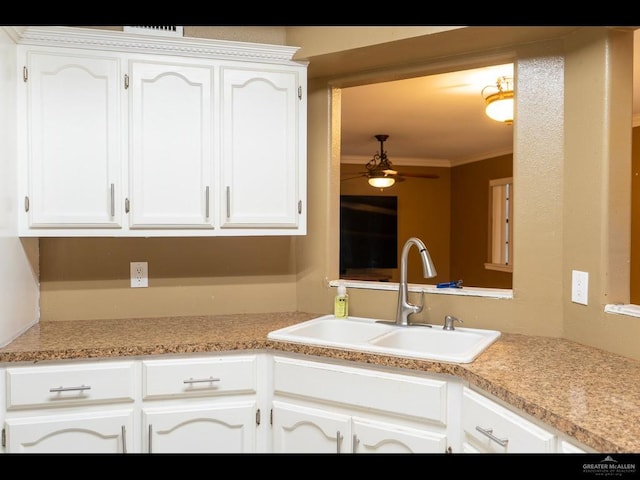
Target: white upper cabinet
pixel 260 168
pixel 171 130
pixel 73 158
pixel 126 135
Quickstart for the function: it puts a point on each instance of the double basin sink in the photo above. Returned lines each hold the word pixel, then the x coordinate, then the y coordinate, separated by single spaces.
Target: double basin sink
pixel 462 345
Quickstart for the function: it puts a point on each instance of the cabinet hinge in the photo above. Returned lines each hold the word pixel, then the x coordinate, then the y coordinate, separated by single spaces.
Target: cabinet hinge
pixel 299 92
pixel 26 203
pixel 25 74
pixel 126 81
pixel 258 417
pixel 4 438
pixel 299 206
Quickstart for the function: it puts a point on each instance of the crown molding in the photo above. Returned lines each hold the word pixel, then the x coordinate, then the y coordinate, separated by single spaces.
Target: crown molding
pixel 90 38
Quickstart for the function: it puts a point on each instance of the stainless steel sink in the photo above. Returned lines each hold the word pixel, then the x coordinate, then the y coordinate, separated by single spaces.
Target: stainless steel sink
pixel 462 345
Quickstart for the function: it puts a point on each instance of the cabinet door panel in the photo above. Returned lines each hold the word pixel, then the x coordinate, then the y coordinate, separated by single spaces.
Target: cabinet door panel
pixel 492 428
pixel 298 429
pixel 228 427
pixel 74 141
pixel 379 437
pixel 260 114
pixel 98 432
pixel 171 136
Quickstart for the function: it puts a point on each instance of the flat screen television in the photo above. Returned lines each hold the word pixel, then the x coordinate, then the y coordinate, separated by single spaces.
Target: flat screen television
pixel 368 232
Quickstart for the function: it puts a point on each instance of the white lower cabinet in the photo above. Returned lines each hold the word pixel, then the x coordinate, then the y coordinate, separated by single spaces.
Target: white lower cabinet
pixel 328 408
pixel 71 408
pixel 299 429
pixel 489 427
pixel 200 405
pixel 256 403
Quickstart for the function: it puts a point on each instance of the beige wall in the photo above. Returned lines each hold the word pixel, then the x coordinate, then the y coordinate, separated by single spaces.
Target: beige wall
pixel 553 233
pixel 635 218
pixel 470 222
pixel 571 166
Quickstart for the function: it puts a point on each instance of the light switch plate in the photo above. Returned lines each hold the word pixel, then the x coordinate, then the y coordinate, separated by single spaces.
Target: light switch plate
pixel 580 287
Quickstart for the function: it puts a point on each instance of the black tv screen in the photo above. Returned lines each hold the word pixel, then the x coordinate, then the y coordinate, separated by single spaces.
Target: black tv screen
pixel 368 232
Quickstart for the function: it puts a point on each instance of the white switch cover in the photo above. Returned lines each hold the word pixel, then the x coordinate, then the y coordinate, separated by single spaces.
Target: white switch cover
pixel 580 287
pixel 139 274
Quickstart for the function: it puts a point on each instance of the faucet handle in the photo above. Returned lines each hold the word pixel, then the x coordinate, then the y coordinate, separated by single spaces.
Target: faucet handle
pixel 448 322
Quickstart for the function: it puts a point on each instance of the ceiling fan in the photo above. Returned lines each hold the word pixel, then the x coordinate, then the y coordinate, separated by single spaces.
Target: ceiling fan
pixel 380 172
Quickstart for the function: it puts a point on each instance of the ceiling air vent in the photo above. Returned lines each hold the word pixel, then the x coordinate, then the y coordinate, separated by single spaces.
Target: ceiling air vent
pixel 164 30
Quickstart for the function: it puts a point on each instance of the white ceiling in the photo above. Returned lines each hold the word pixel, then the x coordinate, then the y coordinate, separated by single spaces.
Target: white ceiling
pixel 433 120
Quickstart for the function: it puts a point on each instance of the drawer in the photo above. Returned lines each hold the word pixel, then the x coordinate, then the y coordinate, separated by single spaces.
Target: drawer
pixel 505 431
pixel 198 377
pixel 64 385
pixel 406 395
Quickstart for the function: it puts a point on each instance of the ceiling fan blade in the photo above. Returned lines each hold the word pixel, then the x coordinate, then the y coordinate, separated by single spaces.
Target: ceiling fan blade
pixel 353 177
pixel 420 175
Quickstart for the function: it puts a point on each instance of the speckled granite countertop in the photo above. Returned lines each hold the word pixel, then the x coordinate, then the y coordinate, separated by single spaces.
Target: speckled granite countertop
pixel 587 393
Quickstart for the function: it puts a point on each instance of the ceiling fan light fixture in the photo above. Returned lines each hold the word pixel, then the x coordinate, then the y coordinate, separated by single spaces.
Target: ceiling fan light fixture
pixel 499 100
pixel 380 171
pixel 381 181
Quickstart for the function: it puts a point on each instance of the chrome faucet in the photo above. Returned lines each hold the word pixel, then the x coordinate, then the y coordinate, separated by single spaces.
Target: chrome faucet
pixel 404 307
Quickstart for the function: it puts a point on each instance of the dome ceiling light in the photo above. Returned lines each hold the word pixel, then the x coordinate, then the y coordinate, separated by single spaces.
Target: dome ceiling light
pixel 499 100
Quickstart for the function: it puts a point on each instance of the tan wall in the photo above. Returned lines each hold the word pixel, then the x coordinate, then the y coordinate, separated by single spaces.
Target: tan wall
pixel 635 218
pixel 571 167
pixel 88 278
pixel 551 239
pixel 470 221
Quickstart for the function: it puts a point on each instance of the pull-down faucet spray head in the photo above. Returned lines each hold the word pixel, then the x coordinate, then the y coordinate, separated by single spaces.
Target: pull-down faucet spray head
pixel 429 270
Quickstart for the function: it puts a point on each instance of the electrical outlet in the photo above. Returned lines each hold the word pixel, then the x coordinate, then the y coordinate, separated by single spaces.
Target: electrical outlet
pixel 139 274
pixel 580 287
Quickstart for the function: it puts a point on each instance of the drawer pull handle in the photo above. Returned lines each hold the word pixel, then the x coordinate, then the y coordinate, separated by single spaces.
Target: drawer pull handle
pixel 338 441
pixel 203 380
pixel 124 439
pixel 70 389
pixel 489 433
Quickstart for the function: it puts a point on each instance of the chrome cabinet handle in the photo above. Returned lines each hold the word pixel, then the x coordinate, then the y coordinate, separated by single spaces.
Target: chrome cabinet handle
pixel 228 202
pixel 354 446
pixel 126 205
pixel 124 439
pixel 489 433
pixel 70 389
pixel 203 380
pixel 338 441
pixel 150 432
pixel 113 201
pixel 206 199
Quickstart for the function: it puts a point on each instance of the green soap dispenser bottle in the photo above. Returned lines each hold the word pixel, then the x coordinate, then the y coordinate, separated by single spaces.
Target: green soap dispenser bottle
pixel 341 302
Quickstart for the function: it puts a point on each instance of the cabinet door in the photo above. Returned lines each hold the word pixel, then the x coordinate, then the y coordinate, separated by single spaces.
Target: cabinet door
pixel 261 148
pixel 170 145
pixel 96 432
pixel 381 437
pixel 299 429
pixel 74 140
pixel 491 428
pixel 228 427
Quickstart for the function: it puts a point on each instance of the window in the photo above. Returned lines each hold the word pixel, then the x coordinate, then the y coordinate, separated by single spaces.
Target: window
pixel 500 255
